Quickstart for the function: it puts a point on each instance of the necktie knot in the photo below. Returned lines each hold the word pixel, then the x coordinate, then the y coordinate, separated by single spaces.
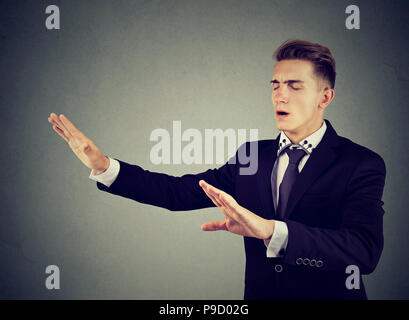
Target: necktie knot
pixel 295 155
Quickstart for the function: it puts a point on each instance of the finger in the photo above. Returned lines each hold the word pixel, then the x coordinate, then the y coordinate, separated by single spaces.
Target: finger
pixel 216 195
pixel 233 209
pixel 218 204
pixel 214 226
pixel 55 120
pixel 212 190
pixel 204 185
pixel 222 208
pixel 60 132
pixel 222 197
pixel 228 201
pixel 215 201
pixel 60 125
pixel 69 125
pixel 52 121
pixel 219 195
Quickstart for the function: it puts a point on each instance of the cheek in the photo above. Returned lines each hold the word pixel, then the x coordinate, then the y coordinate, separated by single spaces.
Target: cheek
pixel 299 103
pixel 305 103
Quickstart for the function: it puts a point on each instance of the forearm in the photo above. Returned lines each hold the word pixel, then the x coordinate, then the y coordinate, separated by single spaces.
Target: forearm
pixel 166 191
pixel 359 245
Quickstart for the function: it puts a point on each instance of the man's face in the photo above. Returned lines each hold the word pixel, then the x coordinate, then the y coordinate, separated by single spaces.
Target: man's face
pixel 296 91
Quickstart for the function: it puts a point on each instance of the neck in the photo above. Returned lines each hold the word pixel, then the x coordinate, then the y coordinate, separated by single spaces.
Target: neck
pixel 296 137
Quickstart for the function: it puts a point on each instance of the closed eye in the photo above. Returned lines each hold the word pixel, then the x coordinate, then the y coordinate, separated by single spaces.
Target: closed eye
pixel 276 84
pixel 289 86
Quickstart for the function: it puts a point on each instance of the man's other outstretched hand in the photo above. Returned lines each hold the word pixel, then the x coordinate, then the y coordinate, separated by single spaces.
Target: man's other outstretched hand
pixel 238 219
pixel 83 147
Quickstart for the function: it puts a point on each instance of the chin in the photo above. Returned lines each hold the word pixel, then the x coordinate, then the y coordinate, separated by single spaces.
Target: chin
pixel 282 126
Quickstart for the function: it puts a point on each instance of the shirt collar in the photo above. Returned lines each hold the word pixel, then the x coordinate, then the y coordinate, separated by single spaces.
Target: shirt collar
pixel 308 144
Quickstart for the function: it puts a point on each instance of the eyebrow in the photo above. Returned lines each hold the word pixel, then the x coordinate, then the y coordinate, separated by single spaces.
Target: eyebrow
pixel 287 81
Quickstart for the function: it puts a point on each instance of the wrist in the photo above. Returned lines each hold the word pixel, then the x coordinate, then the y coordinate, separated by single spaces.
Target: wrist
pixel 270 230
pixel 104 167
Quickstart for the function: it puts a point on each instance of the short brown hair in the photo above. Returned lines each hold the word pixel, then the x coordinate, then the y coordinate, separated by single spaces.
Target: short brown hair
pixel 319 55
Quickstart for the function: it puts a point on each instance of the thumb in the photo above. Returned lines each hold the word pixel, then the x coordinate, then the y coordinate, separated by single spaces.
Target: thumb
pixel 214 226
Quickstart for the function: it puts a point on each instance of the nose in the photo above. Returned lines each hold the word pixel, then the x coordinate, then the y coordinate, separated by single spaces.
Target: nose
pixel 280 95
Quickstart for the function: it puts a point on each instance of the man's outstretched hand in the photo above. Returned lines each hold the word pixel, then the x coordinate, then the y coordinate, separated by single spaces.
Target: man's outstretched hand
pixel 83 147
pixel 238 220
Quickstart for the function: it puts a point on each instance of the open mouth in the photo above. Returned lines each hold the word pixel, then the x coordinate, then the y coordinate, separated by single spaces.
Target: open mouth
pixel 282 113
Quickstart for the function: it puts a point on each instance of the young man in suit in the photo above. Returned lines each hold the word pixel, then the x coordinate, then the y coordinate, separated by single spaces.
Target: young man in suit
pixel 313 209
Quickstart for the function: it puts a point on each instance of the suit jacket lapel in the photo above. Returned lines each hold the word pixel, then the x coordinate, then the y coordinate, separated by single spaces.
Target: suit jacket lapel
pixel 319 160
pixel 266 160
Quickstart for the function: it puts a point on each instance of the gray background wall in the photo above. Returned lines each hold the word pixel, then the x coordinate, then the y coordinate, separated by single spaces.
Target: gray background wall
pixel 120 69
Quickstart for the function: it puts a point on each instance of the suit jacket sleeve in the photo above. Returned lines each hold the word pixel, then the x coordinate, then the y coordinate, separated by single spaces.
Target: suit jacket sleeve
pixel 170 192
pixel 359 240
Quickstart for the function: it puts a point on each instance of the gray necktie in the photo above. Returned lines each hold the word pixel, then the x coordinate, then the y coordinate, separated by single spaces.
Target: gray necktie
pixel 290 175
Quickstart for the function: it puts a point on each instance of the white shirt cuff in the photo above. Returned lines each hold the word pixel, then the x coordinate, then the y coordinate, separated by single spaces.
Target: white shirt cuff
pixel 109 176
pixel 278 243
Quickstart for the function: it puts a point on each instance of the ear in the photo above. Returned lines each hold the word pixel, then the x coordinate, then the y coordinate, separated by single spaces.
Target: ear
pixel 326 97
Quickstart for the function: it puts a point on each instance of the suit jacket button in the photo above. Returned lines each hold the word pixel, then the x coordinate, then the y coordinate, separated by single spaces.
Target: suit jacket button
pixel 313 262
pixel 278 268
pixel 319 263
pixel 298 261
pixel 306 261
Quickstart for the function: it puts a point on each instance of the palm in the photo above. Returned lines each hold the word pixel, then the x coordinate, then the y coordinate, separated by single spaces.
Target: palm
pixel 78 144
pixel 235 227
pixel 238 219
pixel 83 147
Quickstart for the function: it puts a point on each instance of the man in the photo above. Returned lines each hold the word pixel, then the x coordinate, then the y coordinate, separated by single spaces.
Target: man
pixel 312 209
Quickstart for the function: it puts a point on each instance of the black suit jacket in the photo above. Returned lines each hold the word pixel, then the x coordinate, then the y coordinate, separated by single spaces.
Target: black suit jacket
pixel 334 215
